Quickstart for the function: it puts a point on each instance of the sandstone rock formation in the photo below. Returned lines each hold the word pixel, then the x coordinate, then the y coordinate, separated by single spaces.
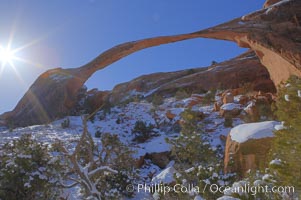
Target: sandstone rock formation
pixel 249 155
pixel 243 69
pixel 270 3
pixel 228 98
pixel 247 147
pixel 230 110
pixel 55 93
pixel 273 33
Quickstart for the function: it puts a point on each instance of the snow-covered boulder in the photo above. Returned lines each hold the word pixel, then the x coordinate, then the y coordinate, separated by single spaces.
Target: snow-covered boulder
pixel 252 111
pixel 244 132
pixel 166 176
pixel 228 97
pixel 241 99
pixel 230 110
pixel 247 146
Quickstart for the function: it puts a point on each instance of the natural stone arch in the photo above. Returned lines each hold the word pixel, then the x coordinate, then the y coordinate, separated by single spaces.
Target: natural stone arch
pixel 273 33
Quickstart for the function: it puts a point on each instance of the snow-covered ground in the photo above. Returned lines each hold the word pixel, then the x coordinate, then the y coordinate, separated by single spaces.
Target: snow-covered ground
pixel 121 121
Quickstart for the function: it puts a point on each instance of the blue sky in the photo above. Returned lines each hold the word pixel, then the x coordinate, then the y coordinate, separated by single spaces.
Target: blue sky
pixel 68 33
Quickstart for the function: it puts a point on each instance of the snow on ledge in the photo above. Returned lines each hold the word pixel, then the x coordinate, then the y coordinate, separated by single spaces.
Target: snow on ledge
pixel 231 106
pixel 244 132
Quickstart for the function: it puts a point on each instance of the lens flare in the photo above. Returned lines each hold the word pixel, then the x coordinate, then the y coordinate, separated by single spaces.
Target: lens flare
pixel 6 56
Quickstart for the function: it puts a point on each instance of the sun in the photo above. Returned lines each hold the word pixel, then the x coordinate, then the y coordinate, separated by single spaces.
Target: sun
pixel 6 55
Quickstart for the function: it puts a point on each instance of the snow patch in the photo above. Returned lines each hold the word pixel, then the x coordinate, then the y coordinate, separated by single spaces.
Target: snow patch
pixel 227 198
pixel 60 77
pixel 276 162
pixel 198 198
pixel 279 126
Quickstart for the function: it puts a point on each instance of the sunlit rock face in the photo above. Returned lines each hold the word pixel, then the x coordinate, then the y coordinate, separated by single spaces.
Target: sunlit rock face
pixel 273 33
pixel 51 96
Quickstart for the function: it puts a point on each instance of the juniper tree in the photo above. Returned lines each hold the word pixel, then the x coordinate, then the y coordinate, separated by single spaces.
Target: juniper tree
pixel 194 158
pixel 103 170
pixel 28 170
pixel 287 142
pixel 191 148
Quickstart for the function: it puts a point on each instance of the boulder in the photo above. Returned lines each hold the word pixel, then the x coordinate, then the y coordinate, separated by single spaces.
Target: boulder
pixel 228 97
pixel 237 91
pixel 170 115
pixel 161 159
pixel 259 106
pixel 139 162
pixel 195 99
pixel 230 110
pixel 217 106
pixel 173 113
pixel 247 146
pixel 243 100
pixel 252 112
pixel 223 138
pixel 165 177
pixel 96 98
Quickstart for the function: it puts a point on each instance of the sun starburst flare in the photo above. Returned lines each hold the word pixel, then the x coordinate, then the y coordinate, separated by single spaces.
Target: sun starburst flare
pixel 7 56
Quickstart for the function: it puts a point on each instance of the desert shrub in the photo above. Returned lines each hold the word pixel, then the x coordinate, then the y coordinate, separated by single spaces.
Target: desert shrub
pixel 106 108
pixel 213 62
pixel 195 159
pixel 28 171
pixel 260 184
pixel 228 122
pixel 142 131
pixel 181 94
pixel 119 157
pixel 157 100
pixel 191 71
pixel 264 110
pixel 119 120
pixel 98 134
pixel 189 148
pixel 65 123
pixel 209 97
pixel 135 98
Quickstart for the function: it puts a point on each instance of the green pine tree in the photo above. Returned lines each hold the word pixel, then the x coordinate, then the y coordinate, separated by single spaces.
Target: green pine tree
pixel 194 158
pixel 287 143
pixel 29 171
pixel 190 149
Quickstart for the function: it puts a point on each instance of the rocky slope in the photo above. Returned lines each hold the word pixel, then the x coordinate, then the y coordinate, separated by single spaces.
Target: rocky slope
pixel 152 154
pixel 273 33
